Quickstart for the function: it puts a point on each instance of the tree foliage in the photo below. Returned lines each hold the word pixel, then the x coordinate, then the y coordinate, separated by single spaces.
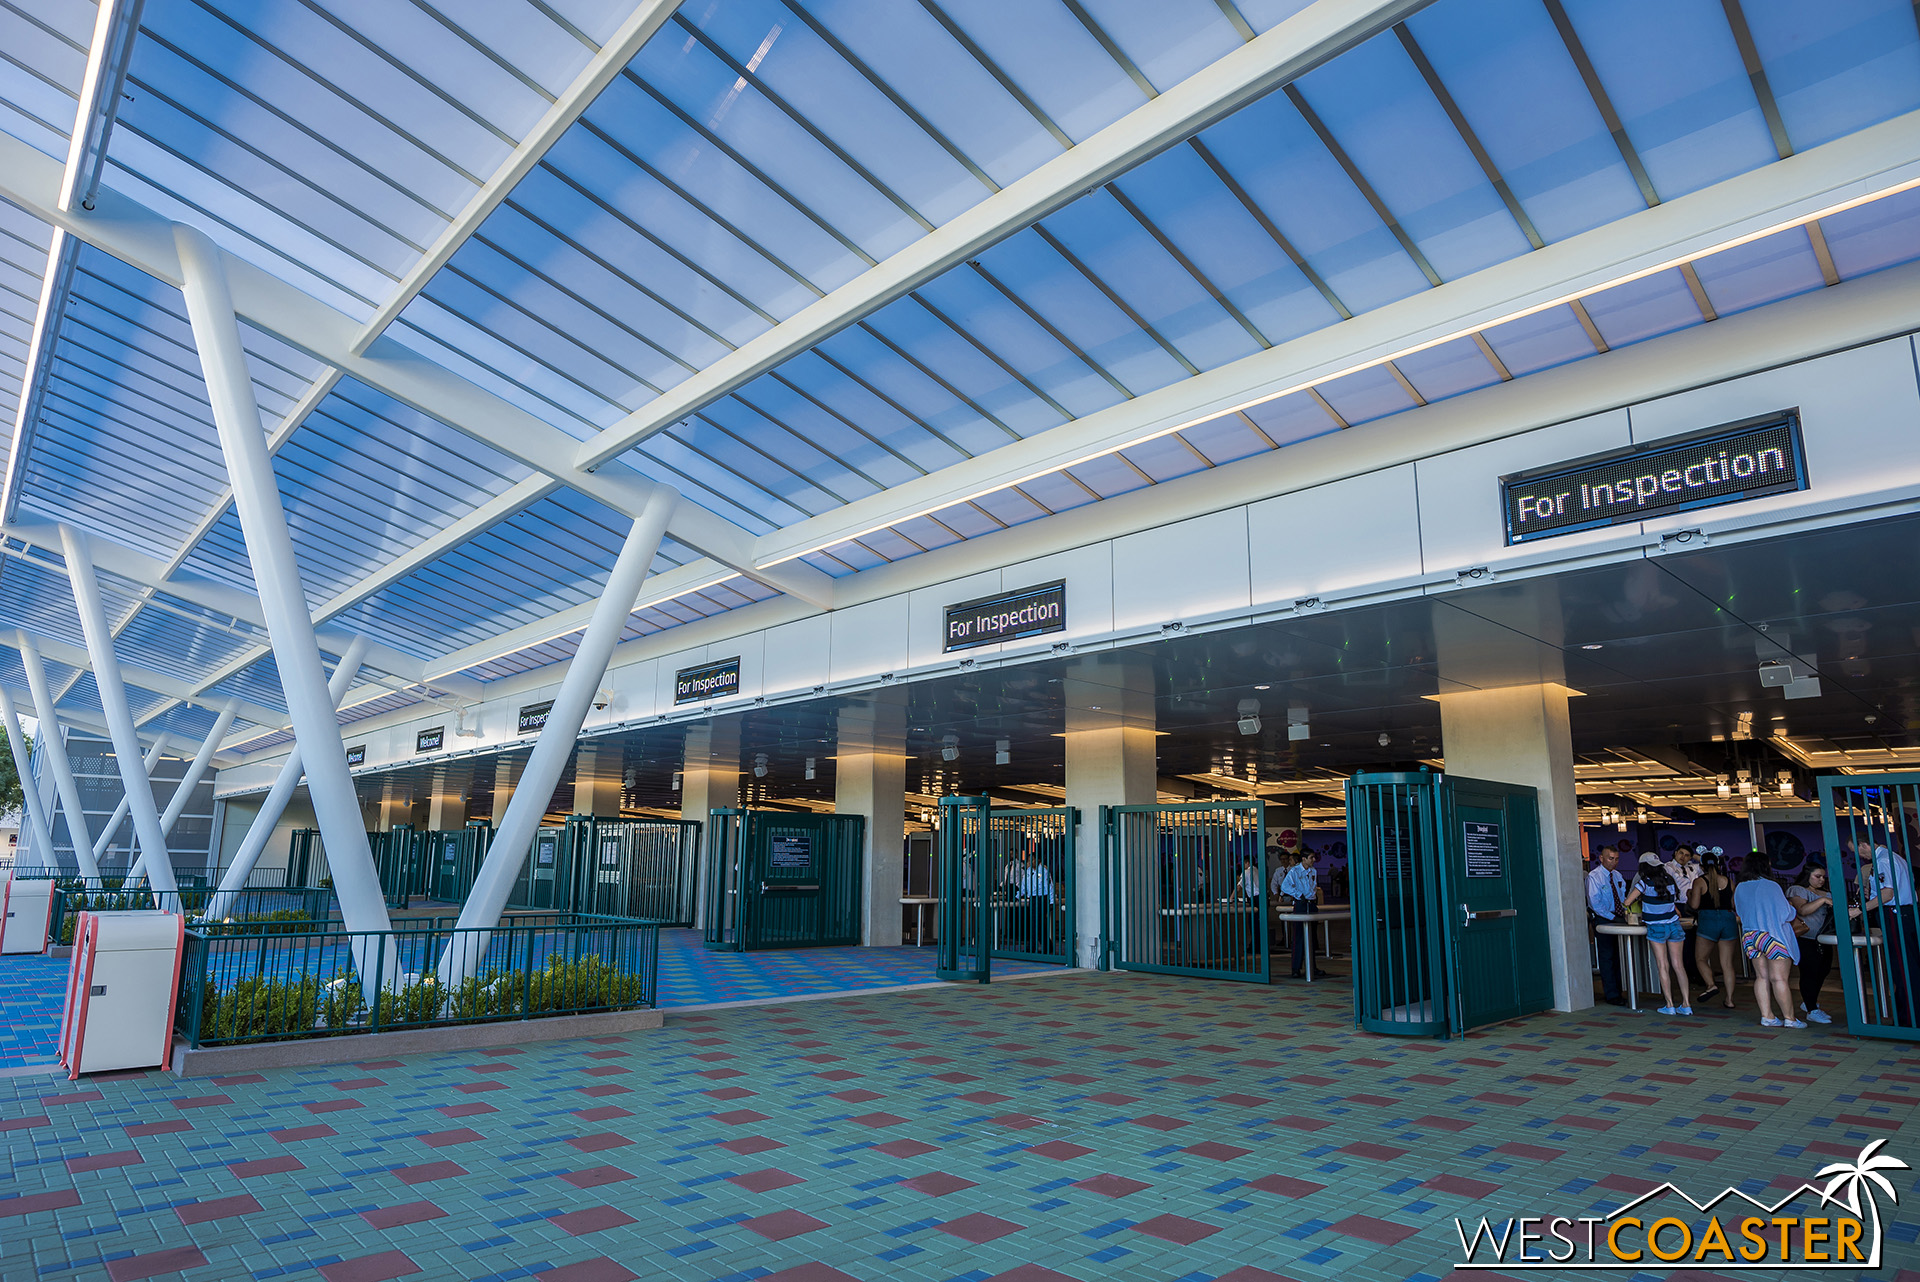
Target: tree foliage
pixel 12 795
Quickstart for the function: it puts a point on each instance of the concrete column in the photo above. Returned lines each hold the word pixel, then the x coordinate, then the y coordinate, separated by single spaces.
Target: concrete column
pixel 709 780
pixel 445 809
pixel 506 774
pixel 1521 734
pixel 1111 748
pixel 598 777
pixel 870 779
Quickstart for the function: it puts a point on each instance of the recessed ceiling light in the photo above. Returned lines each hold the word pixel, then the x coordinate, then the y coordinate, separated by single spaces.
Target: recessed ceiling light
pixel 1263 687
pixel 1594 646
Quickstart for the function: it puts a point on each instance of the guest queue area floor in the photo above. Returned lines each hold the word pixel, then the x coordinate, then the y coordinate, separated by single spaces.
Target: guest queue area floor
pixel 1079 1125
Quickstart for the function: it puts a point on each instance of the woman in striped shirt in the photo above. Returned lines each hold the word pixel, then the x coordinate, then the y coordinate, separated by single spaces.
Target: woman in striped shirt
pixel 1659 900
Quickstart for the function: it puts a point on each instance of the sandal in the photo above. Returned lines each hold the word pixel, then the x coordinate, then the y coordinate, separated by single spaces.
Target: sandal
pixel 1709 991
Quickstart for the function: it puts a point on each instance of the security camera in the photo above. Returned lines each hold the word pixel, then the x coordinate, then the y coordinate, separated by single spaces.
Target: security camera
pixel 950 747
pixel 602 698
pixel 1385 738
pixel 759 765
pixel 1249 714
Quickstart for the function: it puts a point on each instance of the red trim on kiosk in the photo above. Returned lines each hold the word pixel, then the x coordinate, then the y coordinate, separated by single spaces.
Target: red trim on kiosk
pixel 173 1003
pixel 86 997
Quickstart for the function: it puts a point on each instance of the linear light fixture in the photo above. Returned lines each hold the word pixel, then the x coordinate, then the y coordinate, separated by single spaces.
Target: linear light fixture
pixel 1372 362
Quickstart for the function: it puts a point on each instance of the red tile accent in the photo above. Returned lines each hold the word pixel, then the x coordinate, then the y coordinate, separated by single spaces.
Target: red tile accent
pixel 466 1110
pixel 765 1181
pixel 1194 1079
pixel 102 1161
pixel 265 1166
pixel 596 1177
pixel 500 1051
pixel 1463 1186
pixel 1059 1150
pixel 1071 1079
pixel 750 1144
pixel 852 1097
pixel 1294 1122
pixel 1851 1119
pixel 1432 1079
pixel 1374 1101
pixel 598 1269
pixel 599 1143
pixel 32 1202
pixel 979 1228
pixel 741 1092
pixel 1378 1152
pixel 936 1184
pixel 78 1097
pixel 1218 1152
pixel 984 1097
pixel 605 1054
pixel 905 1148
pixel 23 1123
pixel 831 1075
pixel 333 1105
pixel 1176 1229
pixel 817 1272
pixel 1540 1153
pixel 1019 1273
pixel 1159 1122
pixel 781 1225
pixel 476 1088
pixel 218 1209
pixel 173 1127
pixel 203 1101
pixel 440 1139
pixel 238 1079
pixel 154 1263
pixel 873 1119
pixel 391 1063
pixel 605 1070
pixel 1113 1098
pixel 591 1220
pixel 1018 1121
pixel 1111 1185
pixel 292 1134
pixel 1497 1097
pixel 1631 1185
pixel 371 1268
pixel 489 1068
pixel 358 1084
pixel 393 1217
pixel 427 1172
pixel 1285 1186
pixel 739 1117
pixel 1435 1123
pixel 1241 1101
pixel 1692 1152
pixel 1313 1080
pixel 602 1113
pixel 1370 1229
pixel 1588 1123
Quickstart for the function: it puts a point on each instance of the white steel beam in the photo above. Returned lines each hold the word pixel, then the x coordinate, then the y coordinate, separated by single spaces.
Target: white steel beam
pixel 1860 167
pixel 646 18
pixel 551 751
pixel 1316 34
pixel 143 239
pixel 36 805
pixel 183 791
pixel 263 521
pixel 113 705
pixel 142 678
pixel 104 842
pixel 53 743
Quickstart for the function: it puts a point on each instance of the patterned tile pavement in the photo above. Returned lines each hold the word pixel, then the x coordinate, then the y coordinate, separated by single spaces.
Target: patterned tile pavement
pixel 1075 1126
pixel 32 991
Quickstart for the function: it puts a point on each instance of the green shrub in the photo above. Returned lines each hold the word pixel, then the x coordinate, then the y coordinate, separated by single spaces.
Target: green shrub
pixel 414 1003
pixel 342 1005
pixel 259 1007
pixel 282 921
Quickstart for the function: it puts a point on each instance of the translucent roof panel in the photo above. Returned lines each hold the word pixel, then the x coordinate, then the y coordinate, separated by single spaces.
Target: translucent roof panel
pixel 24 241
pixel 43 58
pixel 1869 237
pixel 1761 271
pixel 1835 68
pixel 331 143
pixel 125 445
pixel 1643 309
pixel 1540 341
pixel 1674 74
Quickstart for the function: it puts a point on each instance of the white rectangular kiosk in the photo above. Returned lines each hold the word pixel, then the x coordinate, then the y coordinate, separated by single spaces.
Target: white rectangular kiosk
pixel 121 991
pixel 29 908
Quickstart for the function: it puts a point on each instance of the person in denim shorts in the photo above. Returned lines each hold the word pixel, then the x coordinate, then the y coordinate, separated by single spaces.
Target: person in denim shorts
pixel 1716 929
pixel 1659 901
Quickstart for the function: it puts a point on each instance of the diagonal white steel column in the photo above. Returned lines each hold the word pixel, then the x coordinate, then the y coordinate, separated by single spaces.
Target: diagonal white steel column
pixel 256 498
pixel 275 802
pixel 36 808
pixel 196 769
pixel 113 705
pixel 488 898
pixel 105 839
pixel 56 748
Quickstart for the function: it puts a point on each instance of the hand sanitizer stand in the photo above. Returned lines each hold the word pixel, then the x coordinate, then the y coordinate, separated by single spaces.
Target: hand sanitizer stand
pixel 29 907
pixel 121 991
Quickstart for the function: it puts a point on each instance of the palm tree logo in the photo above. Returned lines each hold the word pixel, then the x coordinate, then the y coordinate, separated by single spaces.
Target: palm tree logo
pixel 1862 1175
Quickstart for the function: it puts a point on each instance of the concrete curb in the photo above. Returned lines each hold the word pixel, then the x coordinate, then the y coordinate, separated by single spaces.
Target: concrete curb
pixel 355 1048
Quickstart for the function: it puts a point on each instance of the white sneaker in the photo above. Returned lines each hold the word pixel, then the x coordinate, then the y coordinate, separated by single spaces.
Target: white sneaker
pixel 1796 1023
pixel 1818 1016
pixel 1668 1010
pixel 1684 1010
pixel 1769 1022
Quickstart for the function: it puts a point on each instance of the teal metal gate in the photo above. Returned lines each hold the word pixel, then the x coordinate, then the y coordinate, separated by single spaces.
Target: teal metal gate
pixel 306 860
pixel 1449 903
pixel 1024 857
pixel 1871 826
pixel 1172 894
pixel 454 856
pixel 554 865
pixel 643 868
pixel 781 880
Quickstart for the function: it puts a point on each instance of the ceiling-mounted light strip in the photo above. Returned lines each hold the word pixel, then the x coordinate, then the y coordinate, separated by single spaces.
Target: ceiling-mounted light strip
pixel 1371 362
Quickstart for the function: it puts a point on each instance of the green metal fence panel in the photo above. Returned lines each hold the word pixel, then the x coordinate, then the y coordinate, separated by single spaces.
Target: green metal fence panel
pixel 1030 866
pixel 643 868
pixel 251 987
pixel 966 926
pixel 262 908
pixel 1400 972
pixel 1172 897
pixel 800 884
pixel 1871 827
pixel 725 834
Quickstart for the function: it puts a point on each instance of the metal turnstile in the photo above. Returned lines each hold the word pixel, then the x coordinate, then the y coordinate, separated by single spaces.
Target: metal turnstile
pixel 549 878
pixel 453 859
pixel 783 880
pixel 1172 897
pixel 1449 903
pixel 1024 860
